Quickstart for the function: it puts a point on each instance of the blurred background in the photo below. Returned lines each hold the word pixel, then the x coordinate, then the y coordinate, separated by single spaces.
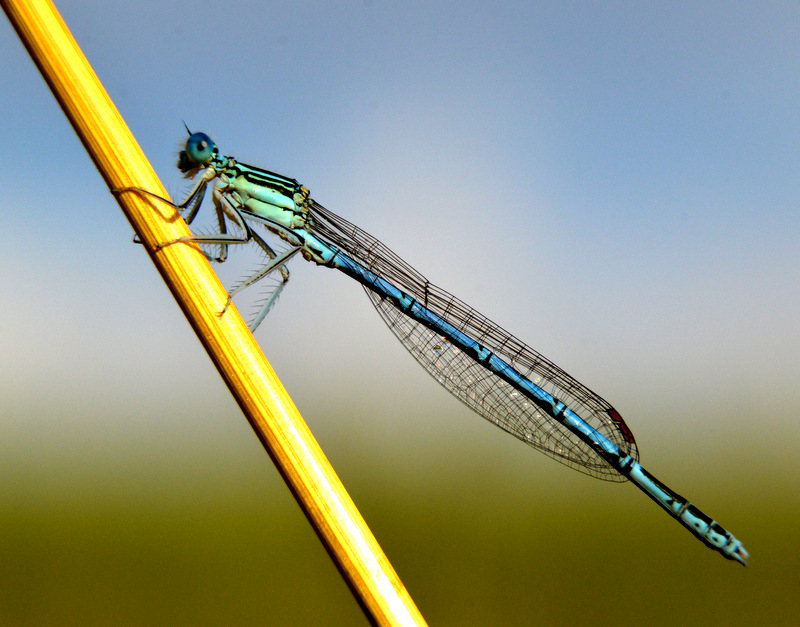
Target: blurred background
pixel 615 183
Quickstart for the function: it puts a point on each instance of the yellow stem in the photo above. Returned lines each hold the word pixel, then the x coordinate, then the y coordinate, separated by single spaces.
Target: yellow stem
pixel 202 298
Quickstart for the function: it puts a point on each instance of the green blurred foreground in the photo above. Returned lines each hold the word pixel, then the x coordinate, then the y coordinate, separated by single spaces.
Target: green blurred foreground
pixel 209 535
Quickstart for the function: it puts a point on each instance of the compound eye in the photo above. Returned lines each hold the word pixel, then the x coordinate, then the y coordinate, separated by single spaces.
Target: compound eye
pixel 200 148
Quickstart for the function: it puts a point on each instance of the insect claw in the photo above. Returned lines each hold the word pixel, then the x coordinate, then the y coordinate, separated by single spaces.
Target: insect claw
pixel 161 245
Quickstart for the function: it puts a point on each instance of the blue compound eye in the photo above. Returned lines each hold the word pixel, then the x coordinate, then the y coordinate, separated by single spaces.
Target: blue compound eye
pixel 200 148
pixel 199 152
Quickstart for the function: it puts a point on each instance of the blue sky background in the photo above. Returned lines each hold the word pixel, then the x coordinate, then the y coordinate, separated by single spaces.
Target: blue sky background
pixel 616 183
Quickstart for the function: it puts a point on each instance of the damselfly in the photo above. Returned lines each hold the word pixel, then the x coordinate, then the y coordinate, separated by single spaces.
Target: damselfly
pixel 488 369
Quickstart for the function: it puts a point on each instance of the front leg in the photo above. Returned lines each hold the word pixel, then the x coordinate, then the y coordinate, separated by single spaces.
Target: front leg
pixel 225 209
pixel 179 208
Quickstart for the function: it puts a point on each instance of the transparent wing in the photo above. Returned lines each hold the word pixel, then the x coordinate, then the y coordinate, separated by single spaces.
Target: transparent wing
pixel 471 383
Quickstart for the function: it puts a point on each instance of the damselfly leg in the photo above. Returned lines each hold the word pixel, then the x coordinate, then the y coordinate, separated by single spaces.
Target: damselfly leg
pixel 225 211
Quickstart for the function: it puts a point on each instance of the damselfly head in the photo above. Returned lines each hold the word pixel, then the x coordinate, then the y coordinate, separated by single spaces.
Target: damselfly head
pixel 199 152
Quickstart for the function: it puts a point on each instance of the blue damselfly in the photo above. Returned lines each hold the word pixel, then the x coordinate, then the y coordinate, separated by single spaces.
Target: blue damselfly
pixel 485 367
